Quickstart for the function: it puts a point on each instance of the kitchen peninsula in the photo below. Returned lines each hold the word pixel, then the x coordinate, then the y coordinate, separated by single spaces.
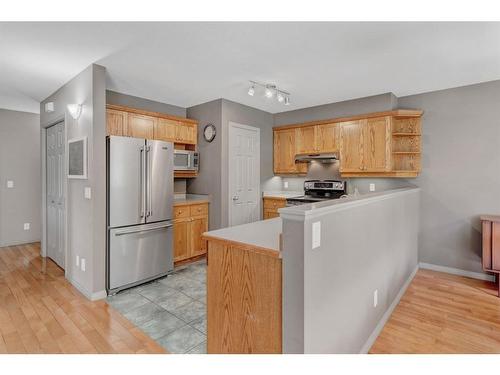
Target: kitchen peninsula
pixel 296 286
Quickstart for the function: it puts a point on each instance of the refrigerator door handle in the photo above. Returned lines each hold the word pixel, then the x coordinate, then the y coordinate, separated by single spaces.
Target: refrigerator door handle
pixel 123 232
pixel 149 210
pixel 142 172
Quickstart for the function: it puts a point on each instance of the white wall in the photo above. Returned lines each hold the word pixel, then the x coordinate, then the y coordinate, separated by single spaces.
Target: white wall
pixel 19 162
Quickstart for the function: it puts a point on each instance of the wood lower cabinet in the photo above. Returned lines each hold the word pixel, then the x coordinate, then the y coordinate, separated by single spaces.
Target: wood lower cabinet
pixel 271 206
pixel 191 221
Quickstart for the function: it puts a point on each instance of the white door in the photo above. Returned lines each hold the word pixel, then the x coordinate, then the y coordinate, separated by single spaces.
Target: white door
pixel 244 174
pixel 55 193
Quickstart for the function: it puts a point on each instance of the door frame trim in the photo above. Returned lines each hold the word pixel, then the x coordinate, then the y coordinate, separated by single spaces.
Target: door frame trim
pixel 233 125
pixel 43 149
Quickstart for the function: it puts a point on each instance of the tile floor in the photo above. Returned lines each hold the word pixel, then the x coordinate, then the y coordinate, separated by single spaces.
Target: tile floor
pixel 171 310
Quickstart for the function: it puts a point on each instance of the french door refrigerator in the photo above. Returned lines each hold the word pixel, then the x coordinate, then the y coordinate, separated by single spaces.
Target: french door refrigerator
pixel 140 178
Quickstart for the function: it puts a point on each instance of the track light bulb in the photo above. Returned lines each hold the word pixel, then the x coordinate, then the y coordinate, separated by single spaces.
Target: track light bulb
pixel 251 90
pixel 269 93
pixel 287 100
pixel 280 97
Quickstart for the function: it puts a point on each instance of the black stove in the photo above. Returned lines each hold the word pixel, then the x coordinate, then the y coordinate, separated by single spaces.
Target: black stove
pixel 319 191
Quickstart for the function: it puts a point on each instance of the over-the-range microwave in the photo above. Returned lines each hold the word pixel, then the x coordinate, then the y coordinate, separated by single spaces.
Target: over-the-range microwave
pixel 185 160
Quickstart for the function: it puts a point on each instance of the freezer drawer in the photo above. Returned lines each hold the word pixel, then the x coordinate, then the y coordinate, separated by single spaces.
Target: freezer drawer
pixel 139 253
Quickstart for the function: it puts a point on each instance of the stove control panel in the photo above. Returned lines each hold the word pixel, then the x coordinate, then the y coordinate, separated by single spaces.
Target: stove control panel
pixel 324 185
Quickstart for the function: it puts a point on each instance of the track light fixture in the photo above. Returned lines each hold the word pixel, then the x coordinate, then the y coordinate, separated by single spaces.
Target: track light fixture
pixel 270 91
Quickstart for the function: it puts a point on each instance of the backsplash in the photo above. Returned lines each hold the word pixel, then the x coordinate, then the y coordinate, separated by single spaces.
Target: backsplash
pixel 179 185
pixel 319 171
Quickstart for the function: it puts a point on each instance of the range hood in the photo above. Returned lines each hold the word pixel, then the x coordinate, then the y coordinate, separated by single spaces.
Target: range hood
pixel 329 157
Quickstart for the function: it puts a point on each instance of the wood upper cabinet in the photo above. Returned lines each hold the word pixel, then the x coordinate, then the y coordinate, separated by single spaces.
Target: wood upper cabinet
pixel 165 129
pixel 285 149
pixel 351 146
pixel 306 140
pixel 380 144
pixel 186 133
pixel 140 126
pixel 129 122
pixel 116 122
pixel 377 144
pixel 365 145
pixel 327 137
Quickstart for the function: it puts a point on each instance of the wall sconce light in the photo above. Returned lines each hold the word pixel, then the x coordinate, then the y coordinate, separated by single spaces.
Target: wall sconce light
pixel 75 110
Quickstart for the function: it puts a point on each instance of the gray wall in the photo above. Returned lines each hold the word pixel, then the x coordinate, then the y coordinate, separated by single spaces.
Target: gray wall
pixel 113 97
pixel 86 230
pixel 366 245
pixel 213 178
pixel 19 162
pixel 460 177
pixel 209 175
pixel 382 102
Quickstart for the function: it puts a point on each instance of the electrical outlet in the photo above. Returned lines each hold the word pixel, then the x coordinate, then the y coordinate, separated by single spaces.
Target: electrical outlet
pixel 83 264
pixel 77 261
pixel 316 234
pixel 285 184
pixel 26 226
pixel 372 187
pixel 10 184
pixel 375 298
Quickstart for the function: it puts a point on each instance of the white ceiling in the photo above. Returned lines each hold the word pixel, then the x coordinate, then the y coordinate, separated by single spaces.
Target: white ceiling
pixel 190 63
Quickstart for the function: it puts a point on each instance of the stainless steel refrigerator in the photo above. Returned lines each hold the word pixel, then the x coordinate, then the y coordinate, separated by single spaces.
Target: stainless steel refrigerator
pixel 140 178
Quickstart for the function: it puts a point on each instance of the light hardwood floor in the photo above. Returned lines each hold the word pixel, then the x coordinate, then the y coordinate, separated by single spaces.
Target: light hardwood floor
pixel 442 313
pixel 41 312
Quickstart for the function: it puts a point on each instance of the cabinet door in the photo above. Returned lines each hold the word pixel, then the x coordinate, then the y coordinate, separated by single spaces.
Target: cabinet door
pixel 377 144
pixel 327 136
pixel 351 146
pixel 165 129
pixel 198 226
pixel 181 239
pixel 306 140
pixel 116 122
pixel 140 126
pixel 284 152
pixel 186 133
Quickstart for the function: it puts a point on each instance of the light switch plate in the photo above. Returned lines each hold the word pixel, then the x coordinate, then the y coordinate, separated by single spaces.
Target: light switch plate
pixel 78 261
pixel 372 187
pixel 375 298
pixel 83 264
pixel 88 192
pixel 285 184
pixel 316 234
pixel 26 226
pixel 10 184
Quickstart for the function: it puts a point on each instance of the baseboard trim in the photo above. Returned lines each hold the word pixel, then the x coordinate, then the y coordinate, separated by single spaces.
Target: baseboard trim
pixel 89 295
pixel 378 328
pixel 457 271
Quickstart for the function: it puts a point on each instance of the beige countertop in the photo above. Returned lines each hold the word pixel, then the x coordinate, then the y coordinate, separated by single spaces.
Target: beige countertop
pixel 263 234
pixel 184 199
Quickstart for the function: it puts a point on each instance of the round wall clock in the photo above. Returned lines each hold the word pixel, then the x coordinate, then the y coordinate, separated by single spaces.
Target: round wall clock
pixel 209 132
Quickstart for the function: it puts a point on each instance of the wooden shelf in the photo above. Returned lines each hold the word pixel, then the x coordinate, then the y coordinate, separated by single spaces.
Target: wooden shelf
pixel 406 134
pixel 406 153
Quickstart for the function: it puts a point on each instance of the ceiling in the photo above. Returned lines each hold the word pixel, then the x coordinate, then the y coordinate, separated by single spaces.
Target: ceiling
pixel 191 63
